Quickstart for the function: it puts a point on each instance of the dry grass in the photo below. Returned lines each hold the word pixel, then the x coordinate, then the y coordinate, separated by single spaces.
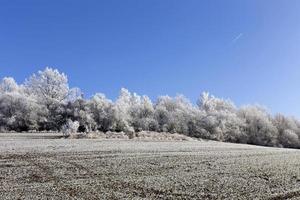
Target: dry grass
pixel 45 168
pixel 143 135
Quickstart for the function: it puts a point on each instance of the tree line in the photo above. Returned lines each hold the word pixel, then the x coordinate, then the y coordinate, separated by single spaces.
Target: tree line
pixel 44 102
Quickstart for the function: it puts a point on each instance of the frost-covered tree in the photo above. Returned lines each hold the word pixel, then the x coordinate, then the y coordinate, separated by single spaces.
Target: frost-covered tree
pixel 122 108
pixel 184 114
pixel 289 139
pixel 103 112
pixel 142 114
pixel 283 123
pixel 50 88
pixel 220 120
pixel 162 115
pixel 288 130
pixel 134 113
pixel 259 127
pixel 18 111
pixel 174 114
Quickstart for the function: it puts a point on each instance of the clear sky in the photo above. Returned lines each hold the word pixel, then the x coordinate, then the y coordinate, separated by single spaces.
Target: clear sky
pixel 245 50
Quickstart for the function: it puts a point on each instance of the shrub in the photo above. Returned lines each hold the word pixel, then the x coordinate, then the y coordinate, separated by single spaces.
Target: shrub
pixel 70 127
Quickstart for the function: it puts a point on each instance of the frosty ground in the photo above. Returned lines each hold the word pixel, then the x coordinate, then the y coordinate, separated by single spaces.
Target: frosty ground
pixel 45 166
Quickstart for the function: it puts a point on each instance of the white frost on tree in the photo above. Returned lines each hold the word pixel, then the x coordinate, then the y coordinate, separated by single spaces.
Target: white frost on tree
pixel 45 102
pixel 49 86
pixel 174 114
pixel 103 112
pixel 288 130
pixel 220 121
pixel 74 94
pixel 142 113
pixel 8 84
pixel 289 139
pixel 18 111
pixel 259 127
pixel 122 108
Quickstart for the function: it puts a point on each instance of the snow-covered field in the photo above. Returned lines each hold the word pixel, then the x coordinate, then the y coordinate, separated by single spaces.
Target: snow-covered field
pixel 45 166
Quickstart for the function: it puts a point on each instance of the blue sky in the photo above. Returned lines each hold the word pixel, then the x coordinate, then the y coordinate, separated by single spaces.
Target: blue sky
pixel 248 51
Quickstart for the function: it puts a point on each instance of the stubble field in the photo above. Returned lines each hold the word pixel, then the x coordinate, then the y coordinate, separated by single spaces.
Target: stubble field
pixel 44 166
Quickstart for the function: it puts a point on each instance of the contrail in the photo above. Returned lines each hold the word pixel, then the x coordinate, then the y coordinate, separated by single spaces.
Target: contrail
pixel 237 38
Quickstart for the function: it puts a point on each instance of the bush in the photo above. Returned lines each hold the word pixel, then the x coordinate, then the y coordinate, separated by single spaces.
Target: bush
pixel 70 127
